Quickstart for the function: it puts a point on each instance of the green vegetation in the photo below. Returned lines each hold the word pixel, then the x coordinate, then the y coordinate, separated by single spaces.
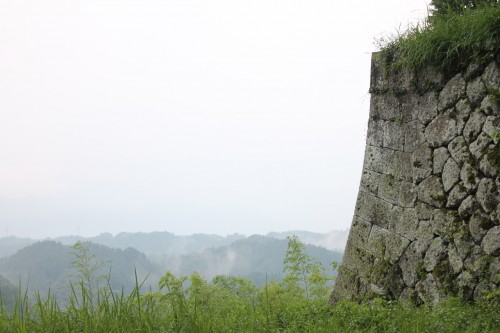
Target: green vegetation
pixel 456 34
pixel 299 303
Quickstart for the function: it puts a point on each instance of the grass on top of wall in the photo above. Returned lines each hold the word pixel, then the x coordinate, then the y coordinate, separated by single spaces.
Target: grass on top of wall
pixel 448 42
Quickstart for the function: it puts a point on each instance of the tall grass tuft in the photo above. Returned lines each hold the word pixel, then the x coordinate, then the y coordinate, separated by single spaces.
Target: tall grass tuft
pixel 449 42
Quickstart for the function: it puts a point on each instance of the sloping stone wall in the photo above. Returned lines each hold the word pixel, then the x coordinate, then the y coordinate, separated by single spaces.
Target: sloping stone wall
pixel 426 223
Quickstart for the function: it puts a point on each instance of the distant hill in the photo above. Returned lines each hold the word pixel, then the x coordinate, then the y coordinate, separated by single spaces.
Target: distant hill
pixel 48 264
pixel 333 240
pixel 254 258
pixel 10 245
pixel 156 243
pixel 8 292
pixel 159 244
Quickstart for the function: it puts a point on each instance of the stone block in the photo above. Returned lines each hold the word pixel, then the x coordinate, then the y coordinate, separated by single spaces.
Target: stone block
pixel 431 191
pixel 478 147
pixel 459 150
pixel 370 180
pixel 386 245
pixel 385 107
pixel 375 133
pixel 463 111
pixel 414 136
pixel 427 107
pixel 440 156
pixel 436 252
pixel 487 194
pixel 469 177
pixel 468 206
pixel 491 241
pixel 373 209
pixel 491 76
pixel 491 125
pixel 456 196
pixel 478 225
pixel 473 126
pixel 421 163
pixel 476 90
pixel 451 174
pixel 388 188
pixel 490 106
pixel 394 135
pixel 441 131
pixel 451 93
pixel 407 194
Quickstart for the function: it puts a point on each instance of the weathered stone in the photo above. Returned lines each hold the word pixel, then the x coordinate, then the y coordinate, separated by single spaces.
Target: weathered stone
pixel 441 131
pixel 463 241
pixel 386 245
pixel 445 223
pixel 388 188
pixel 457 194
pixel 469 178
pixel 406 223
pixel 468 206
pixel 495 269
pixel 407 194
pixel 451 93
pixel 491 76
pixel 451 174
pixel 409 107
pixel 476 90
pixel 373 209
pixel 378 159
pixel 424 237
pixel 385 107
pixel 491 125
pixel 414 136
pixel 490 105
pixel 491 242
pixel 375 133
pixel 487 194
pixel 435 253
pixel 431 191
pixel 421 162
pixel 466 284
pixel 409 263
pixel 402 166
pixel 473 70
pixel 479 146
pixel 476 261
pixel 459 150
pixel 429 290
pixel 394 135
pixel 473 126
pixel 456 262
pixel 477 225
pixel 427 108
pixel 441 155
pixel 360 230
pixel 424 210
pixel 463 111
pixel 369 181
pixel 490 162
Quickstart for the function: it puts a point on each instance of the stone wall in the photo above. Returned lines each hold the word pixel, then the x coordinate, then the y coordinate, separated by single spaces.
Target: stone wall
pixel 426 223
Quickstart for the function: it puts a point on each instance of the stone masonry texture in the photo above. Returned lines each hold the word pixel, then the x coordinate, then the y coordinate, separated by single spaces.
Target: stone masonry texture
pixel 426 224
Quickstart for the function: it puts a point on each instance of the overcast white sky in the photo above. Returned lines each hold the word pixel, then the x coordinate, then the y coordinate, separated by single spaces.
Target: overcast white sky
pixel 215 116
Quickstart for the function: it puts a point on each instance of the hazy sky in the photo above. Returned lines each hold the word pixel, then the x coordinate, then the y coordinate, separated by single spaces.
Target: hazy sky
pixel 216 116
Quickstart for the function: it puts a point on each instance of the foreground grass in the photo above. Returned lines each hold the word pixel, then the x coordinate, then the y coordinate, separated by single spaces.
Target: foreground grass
pixel 232 305
pixel 299 303
pixel 448 41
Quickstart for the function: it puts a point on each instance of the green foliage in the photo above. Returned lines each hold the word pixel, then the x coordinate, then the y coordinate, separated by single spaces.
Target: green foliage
pixel 456 34
pixel 232 304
